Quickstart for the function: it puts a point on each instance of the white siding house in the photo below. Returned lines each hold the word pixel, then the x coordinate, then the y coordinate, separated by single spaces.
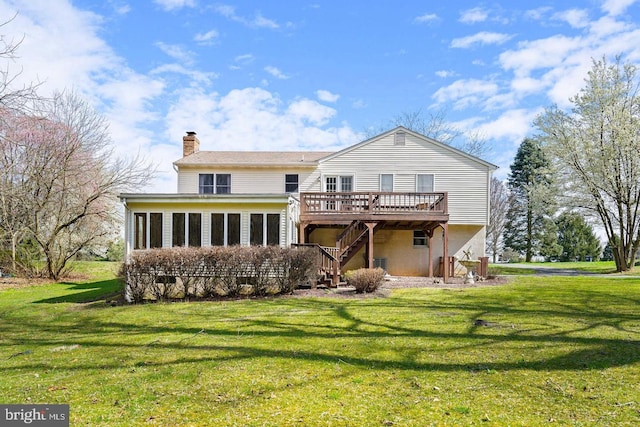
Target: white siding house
pixel 391 194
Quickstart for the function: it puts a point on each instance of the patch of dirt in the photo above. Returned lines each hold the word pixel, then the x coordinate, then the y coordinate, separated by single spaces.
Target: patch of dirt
pixel 395 282
pixel 19 282
pixel 16 282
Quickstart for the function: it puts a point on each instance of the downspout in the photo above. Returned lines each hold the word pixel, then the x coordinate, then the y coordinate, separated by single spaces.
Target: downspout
pixel 127 231
pixel 175 168
pixel 127 248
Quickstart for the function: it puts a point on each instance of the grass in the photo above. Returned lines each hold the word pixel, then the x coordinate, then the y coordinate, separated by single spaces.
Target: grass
pixel 557 349
pixel 599 267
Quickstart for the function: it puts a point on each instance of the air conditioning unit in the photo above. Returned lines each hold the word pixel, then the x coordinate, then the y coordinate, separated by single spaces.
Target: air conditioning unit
pixel 380 262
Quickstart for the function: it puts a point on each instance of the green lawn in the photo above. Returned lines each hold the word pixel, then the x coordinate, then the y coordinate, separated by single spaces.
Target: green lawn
pixel 562 350
pixel 600 267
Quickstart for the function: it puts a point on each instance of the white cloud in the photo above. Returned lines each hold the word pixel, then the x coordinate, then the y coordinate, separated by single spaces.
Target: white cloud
pixel 310 111
pixel 275 72
pixel 206 38
pixel 616 7
pixel 262 22
pixel 122 9
pixel 426 18
pixel 482 38
pixel 244 59
pixel 577 18
pixel 241 61
pixel 524 85
pixel 255 119
pixel 359 104
pixel 258 21
pixel 326 96
pixel 536 54
pixel 445 73
pixel 513 125
pixel 472 16
pixel 196 76
pixel 175 4
pixel 177 52
pixel 466 92
pixel 608 26
pixel 538 13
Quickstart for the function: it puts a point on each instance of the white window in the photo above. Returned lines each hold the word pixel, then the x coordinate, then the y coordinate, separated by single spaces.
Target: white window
pixel 343 183
pixel 386 182
pixel 424 183
pixel 210 183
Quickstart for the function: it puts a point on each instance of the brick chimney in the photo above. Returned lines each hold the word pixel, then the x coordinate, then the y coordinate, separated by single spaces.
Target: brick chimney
pixel 190 144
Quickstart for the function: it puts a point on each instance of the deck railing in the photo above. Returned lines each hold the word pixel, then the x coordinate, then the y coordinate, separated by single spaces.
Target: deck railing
pixel 329 263
pixel 372 203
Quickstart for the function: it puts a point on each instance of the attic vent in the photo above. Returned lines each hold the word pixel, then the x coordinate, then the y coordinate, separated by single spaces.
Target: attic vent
pixel 399 138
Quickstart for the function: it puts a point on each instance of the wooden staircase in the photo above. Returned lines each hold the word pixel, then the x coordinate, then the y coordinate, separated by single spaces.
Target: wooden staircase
pixel 352 239
pixel 333 259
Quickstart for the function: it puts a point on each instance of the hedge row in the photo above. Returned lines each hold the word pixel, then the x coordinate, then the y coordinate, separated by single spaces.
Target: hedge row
pixel 213 272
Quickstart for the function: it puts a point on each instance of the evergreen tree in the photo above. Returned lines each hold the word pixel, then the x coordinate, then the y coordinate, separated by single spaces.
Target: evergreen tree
pixel 549 243
pixel 532 200
pixel 576 237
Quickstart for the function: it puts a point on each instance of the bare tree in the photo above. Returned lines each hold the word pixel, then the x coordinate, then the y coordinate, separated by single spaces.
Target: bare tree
pixel 499 205
pixel 14 99
pixel 435 126
pixel 13 213
pixel 596 146
pixel 67 178
pixel 13 94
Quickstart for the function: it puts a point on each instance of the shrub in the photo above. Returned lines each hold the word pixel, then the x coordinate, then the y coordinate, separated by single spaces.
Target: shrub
pixel 297 266
pixel 365 279
pixel 186 273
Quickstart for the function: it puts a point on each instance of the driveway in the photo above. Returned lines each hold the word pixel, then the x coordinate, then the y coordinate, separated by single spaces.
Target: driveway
pixel 551 270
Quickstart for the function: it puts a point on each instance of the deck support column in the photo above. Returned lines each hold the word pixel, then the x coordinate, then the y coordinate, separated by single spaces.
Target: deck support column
pixel 445 251
pixel 430 260
pixel 370 227
pixel 302 233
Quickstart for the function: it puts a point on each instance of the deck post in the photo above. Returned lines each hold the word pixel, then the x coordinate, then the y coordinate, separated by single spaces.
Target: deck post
pixel 430 261
pixel 445 251
pixel 370 226
pixel 302 231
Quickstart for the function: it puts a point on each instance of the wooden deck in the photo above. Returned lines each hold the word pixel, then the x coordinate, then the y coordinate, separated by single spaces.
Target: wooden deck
pixel 333 208
pixel 361 214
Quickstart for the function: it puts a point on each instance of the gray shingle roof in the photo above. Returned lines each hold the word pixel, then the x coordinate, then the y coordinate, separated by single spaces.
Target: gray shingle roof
pixel 253 158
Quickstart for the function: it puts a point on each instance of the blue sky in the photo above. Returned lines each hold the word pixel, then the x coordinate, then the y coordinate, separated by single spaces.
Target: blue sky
pixel 287 75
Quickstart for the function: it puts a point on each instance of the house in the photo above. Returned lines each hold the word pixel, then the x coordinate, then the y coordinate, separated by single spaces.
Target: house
pixel 399 200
